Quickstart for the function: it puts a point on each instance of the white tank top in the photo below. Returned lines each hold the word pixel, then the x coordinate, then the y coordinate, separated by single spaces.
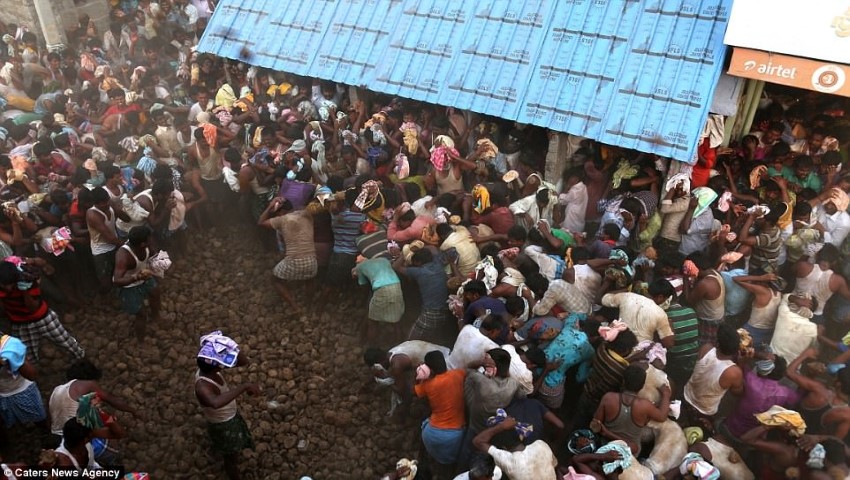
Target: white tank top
pixel 62 407
pixel 217 415
pixel 141 264
pixel 703 390
pixel 98 245
pixel 765 317
pixel 816 284
pixel 92 465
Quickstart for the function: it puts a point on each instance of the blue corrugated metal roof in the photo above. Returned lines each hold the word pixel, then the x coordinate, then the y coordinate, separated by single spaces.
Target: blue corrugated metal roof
pixel 634 73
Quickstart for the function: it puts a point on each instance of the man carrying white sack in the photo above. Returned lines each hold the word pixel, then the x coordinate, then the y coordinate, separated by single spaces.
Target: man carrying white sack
pixel 135 278
pixel 227 429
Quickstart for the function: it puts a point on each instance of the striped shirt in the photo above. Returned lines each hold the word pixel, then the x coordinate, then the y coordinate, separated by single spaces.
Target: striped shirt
pixel 684 322
pixel 766 250
pixel 346 228
pixel 606 374
pixel 16 307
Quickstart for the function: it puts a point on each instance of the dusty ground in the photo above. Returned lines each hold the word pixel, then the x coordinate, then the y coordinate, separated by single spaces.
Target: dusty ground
pixel 312 418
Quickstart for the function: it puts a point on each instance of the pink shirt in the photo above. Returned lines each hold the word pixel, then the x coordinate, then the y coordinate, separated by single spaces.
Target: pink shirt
pixel 413 232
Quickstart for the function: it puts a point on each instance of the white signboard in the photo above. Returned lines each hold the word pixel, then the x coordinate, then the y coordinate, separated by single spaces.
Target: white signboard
pixel 817 29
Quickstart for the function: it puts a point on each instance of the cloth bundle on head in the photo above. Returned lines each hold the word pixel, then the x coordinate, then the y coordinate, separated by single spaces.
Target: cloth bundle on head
pixel 322 194
pixel 376 119
pixel 816 457
pixel 401 166
pixel 441 152
pixel 159 263
pixel 839 198
pixel 729 258
pixel 480 198
pixel 625 460
pixel 677 179
pixel 486 271
pixel 288 116
pixel 758 210
pixel 625 171
pixel 523 430
pixel 509 253
pixel 368 195
pixel 488 149
pixel 325 108
pixel 693 464
pixel 225 97
pixel 281 89
pixel 378 135
pixel 705 197
pixel 782 417
pixel 307 110
pixel 689 269
pixel 217 349
pixel 609 333
pixel 756 175
pixel 146 162
pixel 654 351
pixel 90 412
pixel 621 255
pixel 131 144
pixel 410 132
pixel 13 352
pixel 423 372
pixel 98 154
pixel 210 133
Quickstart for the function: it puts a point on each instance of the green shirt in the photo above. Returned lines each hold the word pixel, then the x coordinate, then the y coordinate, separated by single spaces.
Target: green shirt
pixel 564 236
pixel 683 321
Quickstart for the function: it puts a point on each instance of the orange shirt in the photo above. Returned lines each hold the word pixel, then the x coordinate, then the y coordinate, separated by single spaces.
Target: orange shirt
pixel 445 395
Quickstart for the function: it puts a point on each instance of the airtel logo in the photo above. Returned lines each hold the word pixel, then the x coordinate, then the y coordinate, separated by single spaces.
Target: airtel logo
pixel 770 69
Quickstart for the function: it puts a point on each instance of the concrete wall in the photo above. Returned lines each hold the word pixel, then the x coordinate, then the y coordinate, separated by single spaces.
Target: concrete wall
pixel 56 15
pixel 558 157
pixel 20 12
pixel 97 10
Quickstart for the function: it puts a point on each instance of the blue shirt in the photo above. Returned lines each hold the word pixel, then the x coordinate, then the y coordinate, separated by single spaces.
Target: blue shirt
pixel 737 297
pixel 572 347
pixel 346 228
pixel 478 307
pixel 378 272
pixel 431 279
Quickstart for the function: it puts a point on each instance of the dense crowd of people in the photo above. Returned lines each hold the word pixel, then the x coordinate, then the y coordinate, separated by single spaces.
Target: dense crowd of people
pixel 635 318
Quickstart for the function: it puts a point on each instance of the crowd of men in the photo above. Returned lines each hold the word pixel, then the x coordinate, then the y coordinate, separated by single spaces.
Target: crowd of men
pixel 634 318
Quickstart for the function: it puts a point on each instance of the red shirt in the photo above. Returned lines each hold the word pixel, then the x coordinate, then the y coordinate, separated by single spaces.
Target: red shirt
pixel 58 165
pixel 702 170
pixel 17 309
